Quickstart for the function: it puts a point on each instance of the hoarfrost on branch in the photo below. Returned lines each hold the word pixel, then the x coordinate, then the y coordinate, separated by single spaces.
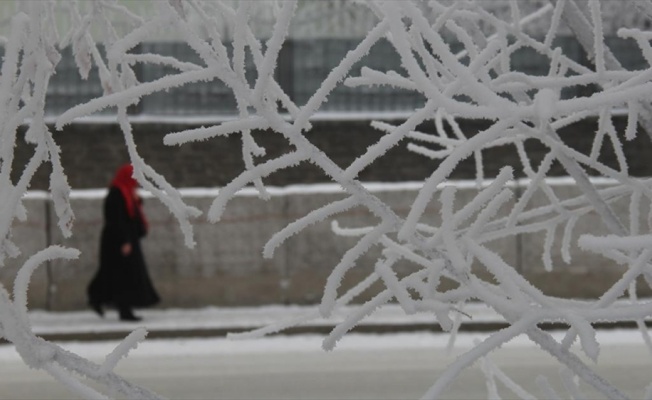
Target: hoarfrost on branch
pixel 476 83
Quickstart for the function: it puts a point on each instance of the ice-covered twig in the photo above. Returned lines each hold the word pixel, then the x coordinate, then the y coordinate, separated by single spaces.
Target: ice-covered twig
pixel 490 368
pixel 224 129
pixel 348 261
pixel 481 350
pixel 151 181
pixel 476 84
pixel 129 343
pixel 66 367
pixel 133 94
pixel 575 364
pixel 66 378
pixel 581 27
pixel 300 224
pixel 262 170
pixel 25 273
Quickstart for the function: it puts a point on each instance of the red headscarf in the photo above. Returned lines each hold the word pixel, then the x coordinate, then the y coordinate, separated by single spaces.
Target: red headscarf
pixel 125 181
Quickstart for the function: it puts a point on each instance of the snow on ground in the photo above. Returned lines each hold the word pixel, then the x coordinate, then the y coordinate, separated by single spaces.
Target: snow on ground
pixel 226 317
pixel 252 317
pixel 308 343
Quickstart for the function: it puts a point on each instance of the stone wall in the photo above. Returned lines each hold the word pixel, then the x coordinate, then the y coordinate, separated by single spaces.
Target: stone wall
pixel 226 267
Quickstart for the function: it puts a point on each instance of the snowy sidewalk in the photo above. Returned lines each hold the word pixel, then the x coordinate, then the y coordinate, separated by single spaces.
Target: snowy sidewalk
pixel 217 321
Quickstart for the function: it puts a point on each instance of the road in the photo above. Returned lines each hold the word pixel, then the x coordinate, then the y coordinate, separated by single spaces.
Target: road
pixel 364 367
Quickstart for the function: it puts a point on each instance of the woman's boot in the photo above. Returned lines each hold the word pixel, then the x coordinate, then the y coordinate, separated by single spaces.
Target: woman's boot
pixel 126 314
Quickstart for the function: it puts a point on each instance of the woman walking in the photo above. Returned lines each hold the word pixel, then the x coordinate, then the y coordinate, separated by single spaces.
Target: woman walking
pixel 122 280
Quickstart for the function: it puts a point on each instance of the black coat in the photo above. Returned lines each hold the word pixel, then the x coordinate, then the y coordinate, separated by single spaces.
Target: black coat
pixel 121 281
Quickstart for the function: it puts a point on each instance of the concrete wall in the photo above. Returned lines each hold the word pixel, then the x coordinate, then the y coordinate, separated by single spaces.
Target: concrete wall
pixel 226 267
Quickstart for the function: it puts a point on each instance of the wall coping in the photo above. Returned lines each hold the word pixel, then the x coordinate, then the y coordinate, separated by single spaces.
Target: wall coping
pixel 326 188
pixel 334 116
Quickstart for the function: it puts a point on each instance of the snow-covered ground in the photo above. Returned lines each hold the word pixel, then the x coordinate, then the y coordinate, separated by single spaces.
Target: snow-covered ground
pixel 363 366
pixel 45 323
pixel 312 343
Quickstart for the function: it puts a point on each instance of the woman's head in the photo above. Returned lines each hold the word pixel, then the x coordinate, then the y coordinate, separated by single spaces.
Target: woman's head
pixel 125 182
pixel 124 177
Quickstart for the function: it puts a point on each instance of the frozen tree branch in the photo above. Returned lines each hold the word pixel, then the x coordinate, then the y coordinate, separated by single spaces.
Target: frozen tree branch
pixel 476 83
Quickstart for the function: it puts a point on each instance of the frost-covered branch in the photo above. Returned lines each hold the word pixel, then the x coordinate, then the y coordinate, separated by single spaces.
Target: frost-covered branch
pixel 475 82
pixel 32 53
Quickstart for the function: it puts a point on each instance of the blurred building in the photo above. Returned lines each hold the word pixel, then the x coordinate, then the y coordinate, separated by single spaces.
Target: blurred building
pixel 321 34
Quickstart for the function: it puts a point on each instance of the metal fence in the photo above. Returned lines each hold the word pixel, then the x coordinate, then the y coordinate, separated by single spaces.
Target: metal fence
pixel 302 67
